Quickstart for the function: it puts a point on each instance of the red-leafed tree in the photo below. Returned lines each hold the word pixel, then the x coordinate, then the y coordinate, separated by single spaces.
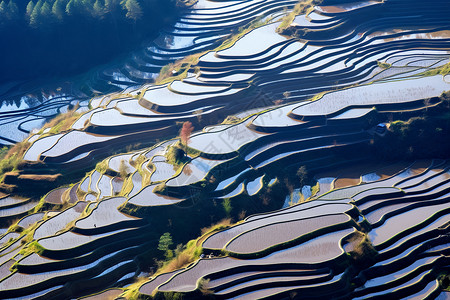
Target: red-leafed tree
pixel 185 133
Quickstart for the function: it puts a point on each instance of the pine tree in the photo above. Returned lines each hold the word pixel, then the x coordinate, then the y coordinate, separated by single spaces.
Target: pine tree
pixel 86 6
pixel 3 8
pixel 30 8
pixel 70 8
pixel 134 10
pixel 13 10
pixel 46 12
pixel 35 17
pixel 58 10
pixel 98 9
pixel 165 241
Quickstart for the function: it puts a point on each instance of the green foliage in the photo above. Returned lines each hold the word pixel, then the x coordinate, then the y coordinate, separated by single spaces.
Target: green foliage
pixel 11 158
pixel 444 281
pixel 202 285
pixel 181 68
pixel 303 7
pixel 231 120
pixel 101 167
pixel 134 10
pixel 363 252
pixel 58 9
pixel 315 189
pixel 83 30
pixel 175 155
pixel 442 70
pixel 256 23
pixel 384 65
pixel 165 241
pixel 419 137
pixel 227 206
pixel 3 152
pixel 29 9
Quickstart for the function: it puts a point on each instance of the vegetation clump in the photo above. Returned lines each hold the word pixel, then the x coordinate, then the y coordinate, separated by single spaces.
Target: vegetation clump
pixel 177 70
pixel 363 252
pixel 12 157
pixel 444 281
pixel 442 70
pixel 231 120
pixel 425 136
pixel 102 167
pixel 175 155
pixel 62 122
pixel 123 169
pixel 384 65
pixel 303 7
pixel 165 241
pixel 243 30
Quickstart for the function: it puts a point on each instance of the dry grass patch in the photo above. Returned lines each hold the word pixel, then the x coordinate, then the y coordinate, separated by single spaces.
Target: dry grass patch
pixel 10 158
pixel 181 68
pixel 62 122
pixel 303 7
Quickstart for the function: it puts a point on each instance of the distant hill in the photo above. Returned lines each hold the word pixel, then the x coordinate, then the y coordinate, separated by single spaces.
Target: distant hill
pixel 44 38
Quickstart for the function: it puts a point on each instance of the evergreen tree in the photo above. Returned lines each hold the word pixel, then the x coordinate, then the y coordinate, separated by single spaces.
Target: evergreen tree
pixel 12 11
pixel 58 9
pixel 86 6
pixel 70 8
pixel 165 241
pixel 98 9
pixel 30 8
pixel 3 8
pixel 46 15
pixel 35 17
pixel 3 14
pixel 134 10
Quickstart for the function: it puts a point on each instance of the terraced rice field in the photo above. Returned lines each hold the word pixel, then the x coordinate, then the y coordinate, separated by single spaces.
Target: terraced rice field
pixel 406 243
pixel 381 233
pixel 240 78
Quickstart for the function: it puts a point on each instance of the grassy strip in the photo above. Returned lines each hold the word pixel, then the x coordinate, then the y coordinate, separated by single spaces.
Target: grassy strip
pixel 61 122
pixel 12 157
pixel 442 70
pixel 184 256
pixel 383 65
pixel 303 7
pixel 243 30
pixel 179 69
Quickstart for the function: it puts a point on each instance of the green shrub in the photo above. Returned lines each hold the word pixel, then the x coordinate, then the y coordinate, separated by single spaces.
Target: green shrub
pixel 123 169
pixel 231 120
pixel 227 206
pixel 101 167
pixel 175 155
pixel 383 65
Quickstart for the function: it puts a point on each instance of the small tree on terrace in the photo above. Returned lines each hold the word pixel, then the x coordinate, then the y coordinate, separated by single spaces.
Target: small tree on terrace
pixel 165 241
pixel 185 133
pixel 123 169
pixel 134 10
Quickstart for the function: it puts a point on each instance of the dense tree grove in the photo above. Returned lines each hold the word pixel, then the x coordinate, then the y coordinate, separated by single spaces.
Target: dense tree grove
pixel 59 37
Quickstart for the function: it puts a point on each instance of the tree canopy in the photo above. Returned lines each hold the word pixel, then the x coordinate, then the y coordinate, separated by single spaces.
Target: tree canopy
pixel 62 37
pixel 165 241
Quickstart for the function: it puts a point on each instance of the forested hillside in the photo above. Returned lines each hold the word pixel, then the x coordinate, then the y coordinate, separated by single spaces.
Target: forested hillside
pixel 60 37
